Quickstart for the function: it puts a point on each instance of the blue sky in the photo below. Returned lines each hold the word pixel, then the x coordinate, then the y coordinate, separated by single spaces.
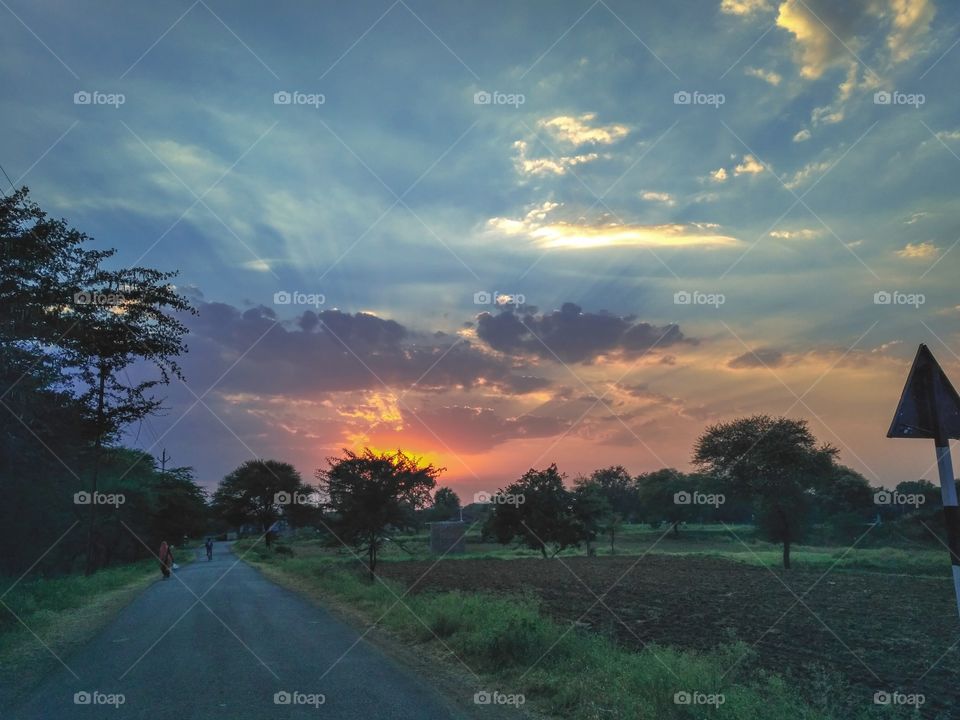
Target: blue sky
pixel 779 200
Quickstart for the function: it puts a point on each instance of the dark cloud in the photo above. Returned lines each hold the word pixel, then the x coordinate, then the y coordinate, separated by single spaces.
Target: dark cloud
pixel 761 357
pixel 573 335
pixel 251 351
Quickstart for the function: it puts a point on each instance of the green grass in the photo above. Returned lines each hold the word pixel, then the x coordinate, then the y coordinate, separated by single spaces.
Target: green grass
pixel 63 612
pixel 567 673
pixel 36 600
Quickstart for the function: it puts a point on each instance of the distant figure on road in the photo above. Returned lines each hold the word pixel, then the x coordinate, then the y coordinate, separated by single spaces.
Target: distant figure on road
pixel 166 559
pixel 209 545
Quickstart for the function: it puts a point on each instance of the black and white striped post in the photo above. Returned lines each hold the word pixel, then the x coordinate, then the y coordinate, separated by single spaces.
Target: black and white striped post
pixel 930 408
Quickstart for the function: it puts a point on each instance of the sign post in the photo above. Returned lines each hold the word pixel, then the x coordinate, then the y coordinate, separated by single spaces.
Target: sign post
pixel 930 408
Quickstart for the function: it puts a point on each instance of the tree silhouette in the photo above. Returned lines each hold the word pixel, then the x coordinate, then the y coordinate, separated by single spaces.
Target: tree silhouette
pixel 777 462
pixel 371 494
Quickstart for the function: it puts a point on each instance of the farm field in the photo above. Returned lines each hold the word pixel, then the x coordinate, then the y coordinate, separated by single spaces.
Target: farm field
pixel 879 631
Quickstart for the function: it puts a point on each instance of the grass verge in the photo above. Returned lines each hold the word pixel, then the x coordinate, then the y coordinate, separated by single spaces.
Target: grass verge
pixel 44 616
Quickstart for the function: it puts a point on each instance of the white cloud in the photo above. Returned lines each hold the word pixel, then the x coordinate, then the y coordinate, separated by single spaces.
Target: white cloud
pixel 660 197
pixel 827 115
pixel 911 21
pixel 918 251
pixel 802 136
pixel 749 166
pixel 886 346
pixel 768 76
pixel 719 175
pixel 547 165
pixel 743 7
pixel 257 265
pixel 805 173
pixel 580 130
pixel 829 32
pixel 801 234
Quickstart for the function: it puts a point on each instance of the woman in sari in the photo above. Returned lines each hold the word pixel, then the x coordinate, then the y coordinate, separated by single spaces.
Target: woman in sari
pixel 166 559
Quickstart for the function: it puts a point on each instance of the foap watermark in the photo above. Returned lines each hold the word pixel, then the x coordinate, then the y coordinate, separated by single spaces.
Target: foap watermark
pixel 695 97
pixel 883 697
pixel 695 297
pixel 284 297
pixel 698 498
pixel 98 498
pixel 485 498
pixel 495 697
pixel 295 97
pixel 98 298
pixel 484 297
pixel 895 97
pixel 695 697
pixel 482 97
pixel 285 498
pixel 294 697
pixel 895 297
pixel 892 497
pixel 95 97
pixel 95 697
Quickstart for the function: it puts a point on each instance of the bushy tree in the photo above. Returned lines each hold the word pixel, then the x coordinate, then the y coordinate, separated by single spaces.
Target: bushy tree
pixel 369 495
pixel 620 491
pixel 659 491
pixel 537 512
pixel 777 462
pixel 446 504
pixel 260 491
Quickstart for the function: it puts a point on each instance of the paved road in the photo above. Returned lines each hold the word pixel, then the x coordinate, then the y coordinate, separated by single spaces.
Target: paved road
pixel 171 657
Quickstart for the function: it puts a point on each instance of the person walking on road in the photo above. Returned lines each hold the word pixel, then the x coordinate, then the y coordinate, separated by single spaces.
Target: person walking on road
pixel 166 559
pixel 209 545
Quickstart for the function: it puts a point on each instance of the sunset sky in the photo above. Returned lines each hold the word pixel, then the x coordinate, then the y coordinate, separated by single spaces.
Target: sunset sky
pixel 511 233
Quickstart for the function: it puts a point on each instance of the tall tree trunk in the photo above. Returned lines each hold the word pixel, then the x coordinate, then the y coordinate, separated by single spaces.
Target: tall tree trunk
pixel 786 554
pixel 91 564
pixel 372 557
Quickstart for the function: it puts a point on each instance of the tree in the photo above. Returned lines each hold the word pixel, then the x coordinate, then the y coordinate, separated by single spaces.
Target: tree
pixel 123 317
pixel 844 501
pixel 661 496
pixel 259 491
pixel 619 490
pixel 777 461
pixel 61 309
pixel 43 266
pixel 371 494
pixel 446 504
pixel 536 511
pixel 590 509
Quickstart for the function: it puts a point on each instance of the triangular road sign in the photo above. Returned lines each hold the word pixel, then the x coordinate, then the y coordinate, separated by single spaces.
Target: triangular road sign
pixel 929 406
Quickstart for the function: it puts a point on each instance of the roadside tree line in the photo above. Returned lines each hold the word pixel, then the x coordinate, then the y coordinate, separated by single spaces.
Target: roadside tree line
pixel 83 349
